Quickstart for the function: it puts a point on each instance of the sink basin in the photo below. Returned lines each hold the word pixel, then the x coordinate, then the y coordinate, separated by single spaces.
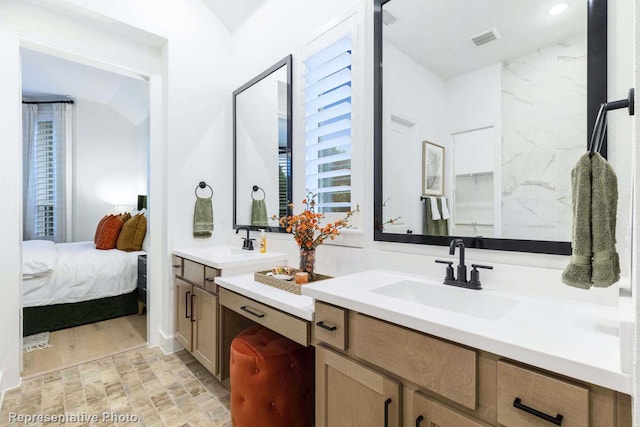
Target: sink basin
pixel 463 301
pixel 225 257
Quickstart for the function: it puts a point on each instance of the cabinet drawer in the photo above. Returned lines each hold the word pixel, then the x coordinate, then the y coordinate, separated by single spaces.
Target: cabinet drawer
pixel 528 398
pixel 285 324
pixel 330 325
pixel 193 272
pixel 176 265
pixel 210 275
pixel 442 367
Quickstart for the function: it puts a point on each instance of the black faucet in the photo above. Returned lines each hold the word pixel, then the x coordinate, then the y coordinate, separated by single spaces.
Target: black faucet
pixel 461 279
pixel 462 267
pixel 247 243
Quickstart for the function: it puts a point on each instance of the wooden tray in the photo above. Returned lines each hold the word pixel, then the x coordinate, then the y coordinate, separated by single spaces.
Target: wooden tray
pixel 285 285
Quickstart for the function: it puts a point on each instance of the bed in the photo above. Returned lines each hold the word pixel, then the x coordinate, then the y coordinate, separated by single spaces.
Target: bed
pixel 70 284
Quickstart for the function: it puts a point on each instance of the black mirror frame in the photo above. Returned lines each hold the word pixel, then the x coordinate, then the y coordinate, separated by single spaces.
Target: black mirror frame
pixel 288 63
pixel 596 94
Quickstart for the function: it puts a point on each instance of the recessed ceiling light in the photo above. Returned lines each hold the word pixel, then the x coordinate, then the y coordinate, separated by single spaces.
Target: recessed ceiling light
pixel 558 9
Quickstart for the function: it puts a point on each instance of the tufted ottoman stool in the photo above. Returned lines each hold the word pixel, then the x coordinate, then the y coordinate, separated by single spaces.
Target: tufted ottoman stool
pixel 272 380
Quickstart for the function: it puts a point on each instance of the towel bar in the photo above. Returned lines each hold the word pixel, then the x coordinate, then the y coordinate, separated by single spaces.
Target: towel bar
pixel 203 184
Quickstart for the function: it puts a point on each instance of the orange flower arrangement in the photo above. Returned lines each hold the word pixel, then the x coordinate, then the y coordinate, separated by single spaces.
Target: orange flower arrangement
pixel 306 226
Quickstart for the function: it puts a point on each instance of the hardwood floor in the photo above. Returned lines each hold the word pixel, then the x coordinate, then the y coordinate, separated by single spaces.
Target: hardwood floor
pixel 86 343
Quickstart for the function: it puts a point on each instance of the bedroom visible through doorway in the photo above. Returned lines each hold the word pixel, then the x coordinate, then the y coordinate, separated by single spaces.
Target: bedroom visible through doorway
pixel 84 230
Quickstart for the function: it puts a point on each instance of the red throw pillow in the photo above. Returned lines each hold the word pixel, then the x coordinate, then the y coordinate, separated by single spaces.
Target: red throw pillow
pixel 108 235
pixel 104 218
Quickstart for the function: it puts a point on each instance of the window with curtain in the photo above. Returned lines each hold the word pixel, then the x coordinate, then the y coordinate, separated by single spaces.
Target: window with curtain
pixel 328 125
pixel 45 179
pixel 47 130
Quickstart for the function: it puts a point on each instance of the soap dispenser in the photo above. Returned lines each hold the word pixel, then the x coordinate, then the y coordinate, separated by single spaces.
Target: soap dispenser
pixel 263 241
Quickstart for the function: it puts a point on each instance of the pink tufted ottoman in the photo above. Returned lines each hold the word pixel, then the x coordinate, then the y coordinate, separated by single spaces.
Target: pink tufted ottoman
pixel 272 380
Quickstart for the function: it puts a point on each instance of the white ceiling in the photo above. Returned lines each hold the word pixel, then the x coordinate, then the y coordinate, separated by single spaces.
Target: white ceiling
pixel 49 77
pixel 436 33
pixel 233 13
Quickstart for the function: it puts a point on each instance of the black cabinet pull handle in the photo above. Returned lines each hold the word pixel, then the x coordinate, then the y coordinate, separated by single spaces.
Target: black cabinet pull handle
pixel 210 279
pixel 419 420
pixel 327 327
pixel 244 308
pixel 176 265
pixel 386 411
pixel 186 305
pixel 193 318
pixel 557 420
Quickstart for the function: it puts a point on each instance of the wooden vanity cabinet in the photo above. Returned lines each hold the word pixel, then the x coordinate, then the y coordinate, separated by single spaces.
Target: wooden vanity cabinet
pixel 441 383
pixel 197 313
pixel 350 394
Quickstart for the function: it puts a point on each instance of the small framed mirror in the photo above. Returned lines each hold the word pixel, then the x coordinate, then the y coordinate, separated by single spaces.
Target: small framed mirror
pixel 262 147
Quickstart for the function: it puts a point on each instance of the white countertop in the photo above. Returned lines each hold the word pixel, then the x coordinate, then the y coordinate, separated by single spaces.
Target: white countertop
pixel 296 305
pixel 227 257
pixel 575 339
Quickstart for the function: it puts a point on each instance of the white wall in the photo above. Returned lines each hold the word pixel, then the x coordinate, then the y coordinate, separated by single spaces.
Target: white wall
pixel 110 158
pixel 11 211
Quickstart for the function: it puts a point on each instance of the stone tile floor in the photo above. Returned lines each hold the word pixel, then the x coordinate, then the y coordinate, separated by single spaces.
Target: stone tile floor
pixel 141 387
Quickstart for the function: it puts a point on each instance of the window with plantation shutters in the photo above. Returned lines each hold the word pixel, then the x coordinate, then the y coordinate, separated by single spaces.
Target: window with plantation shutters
pixel 46 180
pixel 328 125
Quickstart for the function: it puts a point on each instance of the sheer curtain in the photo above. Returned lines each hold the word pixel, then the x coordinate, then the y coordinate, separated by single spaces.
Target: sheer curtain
pixel 29 172
pixel 62 133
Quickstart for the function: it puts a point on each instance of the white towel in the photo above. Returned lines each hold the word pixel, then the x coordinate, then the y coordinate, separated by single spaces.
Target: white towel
pixel 435 213
pixel 445 209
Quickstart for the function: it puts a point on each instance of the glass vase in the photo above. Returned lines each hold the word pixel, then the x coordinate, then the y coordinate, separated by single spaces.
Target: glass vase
pixel 308 262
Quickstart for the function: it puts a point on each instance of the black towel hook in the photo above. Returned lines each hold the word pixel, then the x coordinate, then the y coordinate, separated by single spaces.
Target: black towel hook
pixel 255 188
pixel 203 184
pixel 600 127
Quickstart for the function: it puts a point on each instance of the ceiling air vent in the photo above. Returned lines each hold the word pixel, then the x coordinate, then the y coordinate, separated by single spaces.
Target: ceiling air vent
pixel 485 37
pixel 387 18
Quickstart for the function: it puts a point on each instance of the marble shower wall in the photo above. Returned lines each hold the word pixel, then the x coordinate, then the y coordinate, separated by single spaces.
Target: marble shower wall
pixel 543 134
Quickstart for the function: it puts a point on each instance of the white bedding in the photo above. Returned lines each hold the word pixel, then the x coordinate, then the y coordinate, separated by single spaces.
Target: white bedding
pixel 38 257
pixel 82 273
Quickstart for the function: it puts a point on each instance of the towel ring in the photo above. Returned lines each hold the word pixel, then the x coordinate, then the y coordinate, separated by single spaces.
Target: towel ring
pixel 256 188
pixel 203 184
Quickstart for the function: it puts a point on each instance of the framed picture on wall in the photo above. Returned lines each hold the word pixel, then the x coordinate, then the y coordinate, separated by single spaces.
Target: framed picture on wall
pixel 432 169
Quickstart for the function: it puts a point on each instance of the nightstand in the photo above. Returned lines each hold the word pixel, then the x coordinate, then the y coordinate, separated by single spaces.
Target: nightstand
pixel 142 283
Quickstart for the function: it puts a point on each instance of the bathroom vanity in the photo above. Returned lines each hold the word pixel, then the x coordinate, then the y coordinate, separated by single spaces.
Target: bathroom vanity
pixel 198 297
pixel 398 348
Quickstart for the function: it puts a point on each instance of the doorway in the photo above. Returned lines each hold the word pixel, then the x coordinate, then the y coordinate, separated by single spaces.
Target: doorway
pixel 108 170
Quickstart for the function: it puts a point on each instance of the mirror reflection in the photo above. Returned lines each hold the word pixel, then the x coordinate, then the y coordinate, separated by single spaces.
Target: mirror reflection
pixel 262 147
pixel 484 116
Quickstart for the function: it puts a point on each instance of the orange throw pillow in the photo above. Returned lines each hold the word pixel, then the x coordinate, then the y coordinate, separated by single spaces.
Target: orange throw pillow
pixel 132 234
pixel 104 218
pixel 109 233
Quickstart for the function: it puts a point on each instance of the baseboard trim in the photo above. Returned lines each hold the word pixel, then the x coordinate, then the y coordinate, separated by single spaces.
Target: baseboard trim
pixel 168 344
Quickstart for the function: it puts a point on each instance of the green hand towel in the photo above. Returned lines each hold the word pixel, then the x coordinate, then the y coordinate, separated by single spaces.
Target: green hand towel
pixel 259 213
pixel 578 272
pixel 203 218
pixel 434 227
pixel 594 261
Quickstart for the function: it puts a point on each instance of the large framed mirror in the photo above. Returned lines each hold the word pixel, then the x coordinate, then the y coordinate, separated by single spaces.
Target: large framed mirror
pixel 482 110
pixel 262 147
